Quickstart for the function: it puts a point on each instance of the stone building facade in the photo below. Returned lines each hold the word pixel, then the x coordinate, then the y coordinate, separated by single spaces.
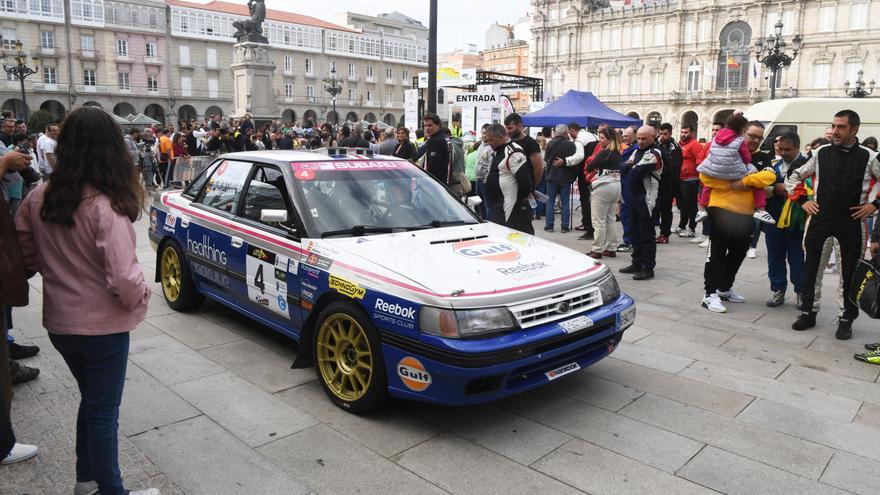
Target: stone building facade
pixel 170 59
pixel 694 61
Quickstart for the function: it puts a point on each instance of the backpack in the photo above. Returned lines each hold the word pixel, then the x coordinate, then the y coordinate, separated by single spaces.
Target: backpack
pixel 460 184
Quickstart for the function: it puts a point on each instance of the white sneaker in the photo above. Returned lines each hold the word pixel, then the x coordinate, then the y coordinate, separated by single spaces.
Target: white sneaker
pixel 752 254
pixel 731 296
pixel 699 239
pixel 704 244
pixel 85 488
pixel 148 491
pixel 702 215
pixel 713 303
pixel 20 452
pixel 765 217
pixel 686 233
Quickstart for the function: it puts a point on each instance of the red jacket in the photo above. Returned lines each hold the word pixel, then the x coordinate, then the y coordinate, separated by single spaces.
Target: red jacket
pixel 691 157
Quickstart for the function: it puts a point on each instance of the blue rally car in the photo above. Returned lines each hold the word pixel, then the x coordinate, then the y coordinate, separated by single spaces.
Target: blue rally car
pixel 389 283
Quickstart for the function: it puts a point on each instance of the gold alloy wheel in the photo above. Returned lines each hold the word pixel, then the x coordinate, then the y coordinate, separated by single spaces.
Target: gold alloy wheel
pixel 344 357
pixel 171 274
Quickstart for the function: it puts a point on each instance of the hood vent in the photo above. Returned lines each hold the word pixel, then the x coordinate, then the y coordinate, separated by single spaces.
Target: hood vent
pixel 462 239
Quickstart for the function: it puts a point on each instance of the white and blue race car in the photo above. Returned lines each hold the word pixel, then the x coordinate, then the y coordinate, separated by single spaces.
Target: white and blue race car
pixel 388 282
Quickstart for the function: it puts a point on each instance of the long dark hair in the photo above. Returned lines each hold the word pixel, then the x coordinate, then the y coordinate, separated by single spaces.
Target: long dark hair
pixel 91 151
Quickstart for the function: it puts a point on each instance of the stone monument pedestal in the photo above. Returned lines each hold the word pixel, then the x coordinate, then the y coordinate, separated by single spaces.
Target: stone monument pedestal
pixel 253 92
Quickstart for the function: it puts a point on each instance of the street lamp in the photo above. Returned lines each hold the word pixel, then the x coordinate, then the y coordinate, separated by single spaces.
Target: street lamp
pixel 20 70
pixel 333 85
pixel 859 91
pixel 773 55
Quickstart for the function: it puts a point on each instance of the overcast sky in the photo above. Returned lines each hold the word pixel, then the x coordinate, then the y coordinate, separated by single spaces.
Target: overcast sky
pixel 459 22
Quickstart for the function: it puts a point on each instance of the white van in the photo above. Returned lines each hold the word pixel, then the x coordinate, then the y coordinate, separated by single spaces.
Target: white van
pixel 809 117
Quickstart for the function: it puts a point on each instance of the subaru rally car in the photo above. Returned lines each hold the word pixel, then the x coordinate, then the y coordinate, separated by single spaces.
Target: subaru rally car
pixel 389 283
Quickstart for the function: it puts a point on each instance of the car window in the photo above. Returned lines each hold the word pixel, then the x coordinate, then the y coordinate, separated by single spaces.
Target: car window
pixel 266 191
pixel 196 187
pixel 225 185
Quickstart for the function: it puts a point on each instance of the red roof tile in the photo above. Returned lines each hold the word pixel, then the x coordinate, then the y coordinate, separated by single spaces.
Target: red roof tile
pixel 275 15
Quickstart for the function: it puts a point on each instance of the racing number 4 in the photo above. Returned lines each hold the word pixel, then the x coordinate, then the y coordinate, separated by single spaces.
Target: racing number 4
pixel 258 279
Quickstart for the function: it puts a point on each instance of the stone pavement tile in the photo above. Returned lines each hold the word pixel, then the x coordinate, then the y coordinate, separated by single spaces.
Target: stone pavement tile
pixel 734 475
pixel 727 358
pixel 656 447
pixel 248 412
pixel 259 365
pixel 683 329
pixel 204 459
pixel 194 331
pixel 853 473
pixel 651 358
pixel 462 467
pixel 247 328
pixel 169 361
pixel 650 311
pixel 675 387
pixel 843 386
pixel 743 328
pixel 387 432
pixel 733 435
pixel 329 462
pixel 513 436
pixel 849 437
pixel 598 391
pixel 836 356
pixel 602 472
pixel 869 415
pixel 158 307
pixel 635 333
pixel 740 312
pixel 812 400
pixel 143 331
pixel 147 404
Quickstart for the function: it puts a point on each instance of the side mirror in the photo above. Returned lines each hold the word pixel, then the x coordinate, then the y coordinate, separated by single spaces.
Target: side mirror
pixel 473 202
pixel 273 216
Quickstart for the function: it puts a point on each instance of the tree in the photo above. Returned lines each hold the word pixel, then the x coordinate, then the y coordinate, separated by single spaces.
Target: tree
pixel 39 120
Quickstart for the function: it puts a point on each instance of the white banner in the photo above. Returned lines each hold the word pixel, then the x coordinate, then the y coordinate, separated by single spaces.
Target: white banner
pixel 449 76
pixel 411 109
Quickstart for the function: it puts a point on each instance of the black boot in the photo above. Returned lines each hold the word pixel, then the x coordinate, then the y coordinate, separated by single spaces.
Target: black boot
pixel 844 329
pixel 805 321
pixel 631 269
pixel 644 274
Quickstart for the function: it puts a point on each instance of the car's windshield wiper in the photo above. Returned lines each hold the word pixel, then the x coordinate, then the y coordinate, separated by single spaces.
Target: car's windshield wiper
pixel 360 230
pixel 436 224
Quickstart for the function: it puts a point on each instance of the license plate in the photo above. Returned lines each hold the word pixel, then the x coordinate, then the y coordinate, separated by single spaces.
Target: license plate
pixel 627 318
pixel 562 371
pixel 575 324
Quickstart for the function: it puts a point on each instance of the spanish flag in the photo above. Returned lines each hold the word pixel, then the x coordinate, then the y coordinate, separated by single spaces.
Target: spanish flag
pixel 731 63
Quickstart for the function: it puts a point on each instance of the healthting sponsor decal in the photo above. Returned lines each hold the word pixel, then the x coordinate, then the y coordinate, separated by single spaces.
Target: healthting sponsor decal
pixel 486 250
pixel 347 287
pixel 206 249
pixel 413 374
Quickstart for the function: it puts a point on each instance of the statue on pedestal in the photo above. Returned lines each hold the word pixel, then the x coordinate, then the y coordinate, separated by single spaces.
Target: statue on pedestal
pixel 252 29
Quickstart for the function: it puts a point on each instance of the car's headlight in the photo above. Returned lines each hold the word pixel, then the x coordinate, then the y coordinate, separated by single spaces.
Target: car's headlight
pixel 465 323
pixel 609 289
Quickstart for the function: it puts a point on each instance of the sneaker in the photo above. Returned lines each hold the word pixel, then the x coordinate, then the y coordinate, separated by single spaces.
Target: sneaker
pixel 704 244
pixel 85 488
pixel 805 321
pixel 548 229
pixel 777 299
pixel 624 248
pixel 844 329
pixel 18 351
pixel 630 269
pixel 873 347
pixel 21 373
pixel 699 239
pixel 752 254
pixel 701 215
pixel 713 303
pixel 644 275
pixel 679 230
pixel 731 296
pixel 686 233
pixel 148 491
pixel 587 236
pixel 662 239
pixel 564 230
pixel 20 452
pixel 872 357
pixel 763 216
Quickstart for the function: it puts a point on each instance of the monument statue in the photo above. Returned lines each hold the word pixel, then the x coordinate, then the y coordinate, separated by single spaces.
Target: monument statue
pixel 252 30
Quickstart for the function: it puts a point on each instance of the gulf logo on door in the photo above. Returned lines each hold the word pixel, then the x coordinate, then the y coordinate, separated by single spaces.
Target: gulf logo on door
pixel 486 250
pixel 413 374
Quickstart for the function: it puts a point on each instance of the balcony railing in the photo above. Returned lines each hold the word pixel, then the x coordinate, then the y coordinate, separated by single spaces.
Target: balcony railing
pixel 48 87
pixel 88 54
pixel 153 60
pixel 123 57
pixel 371 79
pixel 48 52
pixel 390 81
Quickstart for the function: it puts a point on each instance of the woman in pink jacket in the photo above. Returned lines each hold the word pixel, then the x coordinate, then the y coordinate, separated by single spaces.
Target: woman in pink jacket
pixel 76 230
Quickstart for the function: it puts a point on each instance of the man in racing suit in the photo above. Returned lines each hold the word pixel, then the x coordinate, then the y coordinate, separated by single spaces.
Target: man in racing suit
pixel 509 183
pixel 643 173
pixel 843 172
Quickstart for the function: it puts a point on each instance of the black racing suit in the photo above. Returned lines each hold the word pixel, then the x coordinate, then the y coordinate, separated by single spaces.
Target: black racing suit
pixel 520 217
pixel 668 185
pixel 438 158
pixel 643 176
pixel 842 180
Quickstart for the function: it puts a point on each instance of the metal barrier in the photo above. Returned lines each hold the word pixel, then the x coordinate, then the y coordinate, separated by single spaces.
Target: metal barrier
pixel 185 169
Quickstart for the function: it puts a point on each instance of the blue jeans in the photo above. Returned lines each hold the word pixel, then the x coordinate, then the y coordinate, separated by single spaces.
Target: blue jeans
pixel 625 201
pixel 784 246
pixel 759 226
pixel 98 364
pixel 564 193
pixel 483 209
pixel 541 209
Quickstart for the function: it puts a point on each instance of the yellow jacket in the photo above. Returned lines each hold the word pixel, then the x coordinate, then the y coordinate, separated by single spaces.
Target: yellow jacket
pixel 737 201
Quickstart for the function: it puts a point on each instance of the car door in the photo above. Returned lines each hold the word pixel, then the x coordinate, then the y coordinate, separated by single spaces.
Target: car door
pixel 209 239
pixel 270 256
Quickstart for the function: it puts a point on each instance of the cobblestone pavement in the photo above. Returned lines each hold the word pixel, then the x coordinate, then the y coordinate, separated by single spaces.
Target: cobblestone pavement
pixel 691 402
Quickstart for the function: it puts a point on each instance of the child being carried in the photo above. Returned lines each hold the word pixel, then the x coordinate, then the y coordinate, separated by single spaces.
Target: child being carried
pixel 729 159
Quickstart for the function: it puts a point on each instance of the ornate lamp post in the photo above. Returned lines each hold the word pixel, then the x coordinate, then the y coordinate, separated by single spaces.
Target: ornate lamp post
pixel 773 55
pixel 21 70
pixel 333 85
pixel 859 91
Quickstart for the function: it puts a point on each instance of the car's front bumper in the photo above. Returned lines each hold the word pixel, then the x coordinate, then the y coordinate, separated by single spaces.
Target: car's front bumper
pixel 463 378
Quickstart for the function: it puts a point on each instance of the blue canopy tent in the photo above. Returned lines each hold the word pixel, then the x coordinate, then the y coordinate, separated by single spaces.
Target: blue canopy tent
pixel 581 107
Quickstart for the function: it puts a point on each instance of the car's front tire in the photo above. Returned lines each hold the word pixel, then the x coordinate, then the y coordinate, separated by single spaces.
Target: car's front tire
pixel 348 358
pixel 178 286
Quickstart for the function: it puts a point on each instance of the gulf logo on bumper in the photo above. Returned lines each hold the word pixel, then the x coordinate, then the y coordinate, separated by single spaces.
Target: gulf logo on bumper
pixel 486 250
pixel 413 374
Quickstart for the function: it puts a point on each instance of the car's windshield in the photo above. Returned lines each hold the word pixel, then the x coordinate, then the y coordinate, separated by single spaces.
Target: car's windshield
pixel 339 196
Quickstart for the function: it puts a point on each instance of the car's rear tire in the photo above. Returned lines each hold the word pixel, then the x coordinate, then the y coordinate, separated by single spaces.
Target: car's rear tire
pixel 178 286
pixel 348 358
